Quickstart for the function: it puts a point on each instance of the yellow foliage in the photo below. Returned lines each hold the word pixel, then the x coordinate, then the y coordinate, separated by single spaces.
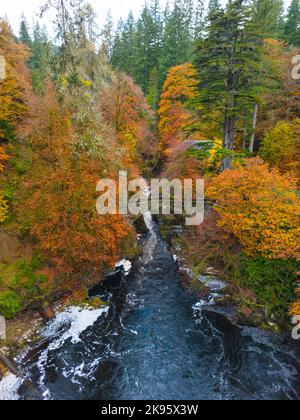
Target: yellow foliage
pixel 3 158
pixel 180 87
pixel 261 208
pixel 281 146
pixel 295 308
pixel 218 145
pixel 3 208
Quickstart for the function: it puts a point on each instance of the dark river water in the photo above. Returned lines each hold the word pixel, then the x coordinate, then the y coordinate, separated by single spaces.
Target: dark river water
pixel 152 343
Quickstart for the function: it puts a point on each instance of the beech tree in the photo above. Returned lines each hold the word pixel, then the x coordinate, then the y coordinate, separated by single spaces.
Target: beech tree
pixel 280 92
pixel 281 146
pixel 125 109
pixel 179 89
pixel 59 201
pixel 261 208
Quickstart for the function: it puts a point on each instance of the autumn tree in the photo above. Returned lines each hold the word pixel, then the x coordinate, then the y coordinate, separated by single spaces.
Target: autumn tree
pixel 16 82
pixel 281 146
pixel 179 89
pixel 59 198
pixel 259 207
pixel 124 107
pixel 280 93
pixel 13 91
pixel 3 201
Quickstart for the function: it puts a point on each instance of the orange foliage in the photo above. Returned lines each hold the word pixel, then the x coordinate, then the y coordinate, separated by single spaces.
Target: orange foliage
pixel 261 208
pixel 125 108
pixel 3 158
pixel 64 220
pixel 59 198
pixel 181 166
pixel 16 82
pixel 181 86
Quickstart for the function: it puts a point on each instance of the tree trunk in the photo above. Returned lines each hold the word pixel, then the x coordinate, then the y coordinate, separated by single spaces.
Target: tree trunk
pixel 244 145
pixel 15 371
pixel 10 365
pixel 227 163
pixel 228 142
pixel 252 140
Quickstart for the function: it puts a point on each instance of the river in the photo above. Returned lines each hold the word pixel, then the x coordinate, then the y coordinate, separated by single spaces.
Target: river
pixel 154 342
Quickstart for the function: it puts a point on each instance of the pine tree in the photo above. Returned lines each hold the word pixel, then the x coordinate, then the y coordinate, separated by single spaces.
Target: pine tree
pixel 107 36
pixel 228 64
pixel 177 42
pixel 214 6
pixel 87 22
pixel 153 89
pixel 148 40
pixel 292 26
pixel 199 24
pixel 41 55
pixel 157 40
pixel 24 35
pixel 268 14
pixel 124 54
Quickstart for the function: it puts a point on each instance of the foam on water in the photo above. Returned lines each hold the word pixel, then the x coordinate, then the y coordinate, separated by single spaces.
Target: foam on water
pixel 126 265
pixel 9 388
pixel 79 320
pixel 148 221
pixel 76 320
pixel 211 283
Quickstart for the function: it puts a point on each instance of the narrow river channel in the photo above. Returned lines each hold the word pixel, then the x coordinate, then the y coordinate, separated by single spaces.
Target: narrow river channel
pixel 154 342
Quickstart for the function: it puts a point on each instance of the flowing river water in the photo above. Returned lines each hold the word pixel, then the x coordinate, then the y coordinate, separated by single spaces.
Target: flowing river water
pixel 153 341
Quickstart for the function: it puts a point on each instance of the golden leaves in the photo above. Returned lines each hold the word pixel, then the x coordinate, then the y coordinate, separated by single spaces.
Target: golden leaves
pixel 180 87
pixel 3 158
pixel 261 208
pixel 16 82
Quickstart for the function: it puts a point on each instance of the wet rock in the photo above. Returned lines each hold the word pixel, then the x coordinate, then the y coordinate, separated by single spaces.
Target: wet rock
pixel 140 226
pixel 223 300
pixel 212 284
pixel 47 313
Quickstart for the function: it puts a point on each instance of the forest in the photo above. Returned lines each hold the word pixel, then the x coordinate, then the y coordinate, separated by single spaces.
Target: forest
pixel 184 91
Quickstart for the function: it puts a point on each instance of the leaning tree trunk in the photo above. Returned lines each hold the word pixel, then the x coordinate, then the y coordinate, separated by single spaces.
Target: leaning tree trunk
pixel 9 365
pixel 252 140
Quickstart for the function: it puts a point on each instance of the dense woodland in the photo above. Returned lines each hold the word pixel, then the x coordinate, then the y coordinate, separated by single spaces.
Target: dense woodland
pixel 90 101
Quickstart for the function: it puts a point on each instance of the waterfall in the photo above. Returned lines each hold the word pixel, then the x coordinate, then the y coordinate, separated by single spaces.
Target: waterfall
pixel 148 216
pixel 149 222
